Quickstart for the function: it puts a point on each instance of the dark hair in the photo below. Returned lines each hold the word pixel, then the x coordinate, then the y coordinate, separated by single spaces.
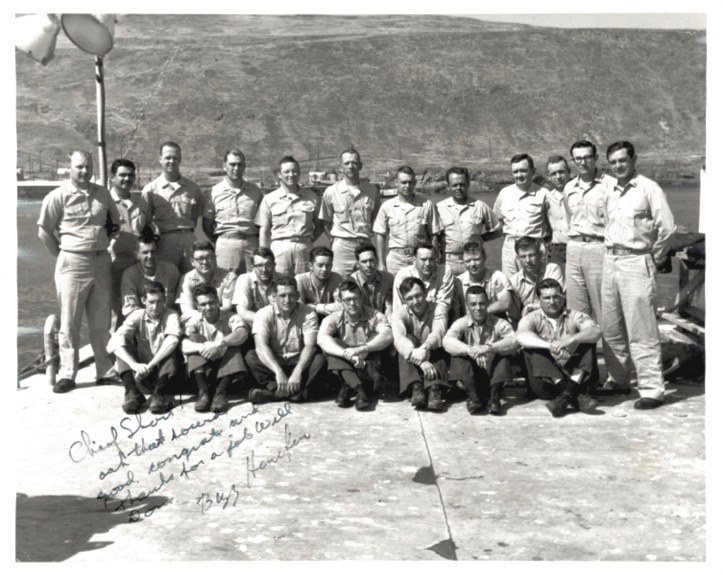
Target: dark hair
pixel 360 249
pixel 476 290
pixel 169 144
pixel 471 247
pixel 526 243
pixel 583 144
pixel 202 246
pixel 423 246
pixel 153 287
pixel 408 284
pixel 458 171
pixel 204 289
pixel 521 157
pixel 283 280
pixel 556 159
pixel 233 152
pixel 350 151
pixel 406 170
pixel 121 163
pixel 287 159
pixel 349 285
pixel 547 283
pixel 621 145
pixel 264 253
pixel 320 251
pixel 148 237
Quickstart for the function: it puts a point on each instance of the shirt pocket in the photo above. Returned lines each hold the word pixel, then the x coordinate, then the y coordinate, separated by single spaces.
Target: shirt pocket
pixel 76 212
pixel 341 210
pixel 279 214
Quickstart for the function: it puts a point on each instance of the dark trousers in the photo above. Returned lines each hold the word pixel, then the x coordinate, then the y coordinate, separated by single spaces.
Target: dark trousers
pixel 353 377
pixel 543 370
pixel 466 370
pixel 410 374
pixel 266 378
pixel 165 372
pixel 558 254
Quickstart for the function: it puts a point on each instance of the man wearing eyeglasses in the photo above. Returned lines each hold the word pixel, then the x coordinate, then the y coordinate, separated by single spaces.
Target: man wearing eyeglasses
pixel 250 294
pixel 205 271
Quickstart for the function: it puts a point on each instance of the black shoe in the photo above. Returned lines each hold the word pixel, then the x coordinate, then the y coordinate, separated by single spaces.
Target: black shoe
pixel 63 385
pixel 110 380
pixel 585 403
pixel 474 403
pixel 134 400
pixel 647 403
pixel 557 406
pixel 343 399
pixel 203 403
pixel 435 401
pixel 475 406
pixel 220 401
pixel 362 399
pixel 160 403
pixel 419 397
pixel 494 407
pixel 608 391
pixel 259 396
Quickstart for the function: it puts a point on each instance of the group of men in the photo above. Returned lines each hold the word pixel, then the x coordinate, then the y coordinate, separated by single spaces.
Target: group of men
pixel 403 294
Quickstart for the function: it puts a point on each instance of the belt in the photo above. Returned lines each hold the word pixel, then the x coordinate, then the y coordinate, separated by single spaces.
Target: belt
pixel 238 235
pixel 588 239
pixel 616 251
pixel 298 239
pixel 453 256
pixel 405 251
pixel 355 240
pixel 178 231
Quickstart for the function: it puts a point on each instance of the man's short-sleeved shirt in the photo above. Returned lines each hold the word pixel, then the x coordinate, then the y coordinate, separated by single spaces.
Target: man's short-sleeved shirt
pixel 286 336
pixel 144 334
pixel 200 329
pixel 350 209
pixel 250 293
pixel 523 213
pixel 221 280
pixel 524 286
pixel 558 217
pixel 173 205
pixel 586 204
pixel 405 223
pixel 569 323
pixel 440 287
pixel 433 323
pixel 493 329
pixel 339 325
pixel 288 214
pixel 466 222
pixel 233 209
pixel 134 280
pixel 638 216
pixel 79 217
pixel 310 294
pixel 133 216
pixel 377 293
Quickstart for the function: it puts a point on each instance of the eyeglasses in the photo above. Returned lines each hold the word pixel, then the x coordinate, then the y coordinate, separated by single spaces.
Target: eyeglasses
pixel 580 159
pixel 204 259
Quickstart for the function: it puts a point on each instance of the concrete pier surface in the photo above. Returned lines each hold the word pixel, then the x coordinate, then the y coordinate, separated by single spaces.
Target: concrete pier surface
pixel 315 482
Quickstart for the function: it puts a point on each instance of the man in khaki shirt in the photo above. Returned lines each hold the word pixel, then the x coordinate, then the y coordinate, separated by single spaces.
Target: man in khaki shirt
pixel 205 271
pixel 352 340
pixel 348 210
pixel 376 285
pixel 288 220
pixel 317 287
pixel 229 211
pixel 251 292
pixel 533 268
pixel 404 222
pixel 174 205
pixel 438 279
pixel 558 174
pixel 73 225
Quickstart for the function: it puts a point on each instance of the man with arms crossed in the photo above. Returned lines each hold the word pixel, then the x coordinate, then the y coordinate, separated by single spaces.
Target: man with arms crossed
pixel 376 285
pixel 317 287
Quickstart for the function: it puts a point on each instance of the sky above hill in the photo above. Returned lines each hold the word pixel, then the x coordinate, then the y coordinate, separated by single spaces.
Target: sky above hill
pixel 676 21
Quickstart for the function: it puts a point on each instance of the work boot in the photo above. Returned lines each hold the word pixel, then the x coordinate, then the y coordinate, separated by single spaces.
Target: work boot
pixel 647 403
pixel 344 397
pixel 583 403
pixel 160 403
pixel 203 402
pixel 435 402
pixel 362 399
pixel 474 403
pixel 494 406
pixel 134 400
pixel 419 397
pixel 63 385
pixel 557 406
pixel 220 397
pixel 259 396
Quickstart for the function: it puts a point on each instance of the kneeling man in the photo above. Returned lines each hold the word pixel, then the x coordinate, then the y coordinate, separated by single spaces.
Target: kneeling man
pixel 145 347
pixel 352 339
pixel 418 327
pixel 478 343
pixel 286 360
pixel 213 348
pixel 559 348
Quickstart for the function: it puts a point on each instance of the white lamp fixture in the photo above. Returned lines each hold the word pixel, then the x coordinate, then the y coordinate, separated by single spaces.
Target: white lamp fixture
pixel 92 33
pixel 36 35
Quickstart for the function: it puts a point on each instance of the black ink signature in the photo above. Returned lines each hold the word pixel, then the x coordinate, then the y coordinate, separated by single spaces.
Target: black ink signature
pixel 289 443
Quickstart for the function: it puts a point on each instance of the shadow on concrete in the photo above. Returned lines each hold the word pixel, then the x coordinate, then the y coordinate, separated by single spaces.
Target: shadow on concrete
pixel 56 527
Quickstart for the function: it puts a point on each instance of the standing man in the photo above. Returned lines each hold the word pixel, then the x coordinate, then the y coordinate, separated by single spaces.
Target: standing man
pixel 288 220
pixel 174 205
pixel 73 225
pixel 532 269
pixel 348 209
pixel 463 219
pixel 638 225
pixel 134 216
pixel 352 340
pixel 523 210
pixel 205 271
pixel 229 211
pixel 404 222
pixel 558 174
pixel 251 292
pixel 286 361
pixel 317 287
pixel 438 279
pixel 377 286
